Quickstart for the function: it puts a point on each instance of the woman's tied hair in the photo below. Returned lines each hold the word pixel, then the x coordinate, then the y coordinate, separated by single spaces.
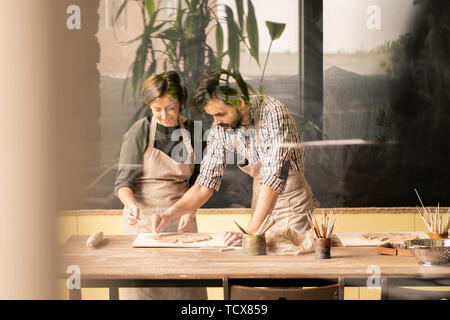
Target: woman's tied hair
pixel 216 84
pixel 158 85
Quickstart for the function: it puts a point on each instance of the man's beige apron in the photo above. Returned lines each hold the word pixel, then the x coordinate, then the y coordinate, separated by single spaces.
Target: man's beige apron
pixel 162 183
pixel 291 231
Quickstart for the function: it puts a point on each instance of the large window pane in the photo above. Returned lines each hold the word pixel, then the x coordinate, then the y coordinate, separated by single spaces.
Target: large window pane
pixel 356 87
pixel 383 104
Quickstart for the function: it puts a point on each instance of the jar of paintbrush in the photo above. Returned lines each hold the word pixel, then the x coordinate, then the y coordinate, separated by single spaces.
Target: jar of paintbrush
pixel 255 244
pixel 437 224
pixel 322 231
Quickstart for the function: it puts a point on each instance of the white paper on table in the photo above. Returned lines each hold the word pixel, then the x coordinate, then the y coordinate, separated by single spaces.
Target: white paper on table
pixel 353 239
pixel 145 240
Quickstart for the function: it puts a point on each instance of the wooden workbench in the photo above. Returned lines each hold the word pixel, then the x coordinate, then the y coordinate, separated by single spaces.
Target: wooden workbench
pixel 117 264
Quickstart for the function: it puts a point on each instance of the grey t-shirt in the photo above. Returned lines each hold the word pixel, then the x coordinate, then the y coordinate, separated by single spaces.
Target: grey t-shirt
pixel 135 143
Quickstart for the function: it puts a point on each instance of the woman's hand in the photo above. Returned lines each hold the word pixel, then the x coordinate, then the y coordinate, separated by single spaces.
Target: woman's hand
pixel 133 213
pixel 187 223
pixel 232 238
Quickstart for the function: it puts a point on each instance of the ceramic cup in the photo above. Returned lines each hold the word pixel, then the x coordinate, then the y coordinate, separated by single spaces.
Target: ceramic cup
pixel 253 245
pixel 323 248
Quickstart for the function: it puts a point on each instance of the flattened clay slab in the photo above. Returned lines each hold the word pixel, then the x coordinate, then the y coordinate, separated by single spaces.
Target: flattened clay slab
pixel 182 238
pixel 370 238
pixel 393 237
pixel 179 240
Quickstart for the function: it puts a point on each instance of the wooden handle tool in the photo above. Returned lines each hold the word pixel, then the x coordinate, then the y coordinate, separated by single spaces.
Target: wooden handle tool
pixel 240 228
pixel 263 224
pixel 134 215
pixel 268 226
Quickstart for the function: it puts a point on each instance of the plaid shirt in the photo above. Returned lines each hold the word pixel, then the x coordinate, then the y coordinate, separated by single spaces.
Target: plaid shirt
pixel 278 147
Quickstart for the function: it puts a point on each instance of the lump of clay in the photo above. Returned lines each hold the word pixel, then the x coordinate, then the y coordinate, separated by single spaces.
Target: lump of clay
pixel 95 239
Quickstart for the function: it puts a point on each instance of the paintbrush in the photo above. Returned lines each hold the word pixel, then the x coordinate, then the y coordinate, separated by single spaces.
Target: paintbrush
pixel 324 227
pixel 427 216
pixel 427 213
pixel 447 222
pixel 156 236
pixel 424 218
pixel 316 227
pixel 434 221
pixel 240 228
pixel 308 215
pixel 419 199
pixel 268 226
pixel 263 224
pixel 424 209
pixel 439 221
pixel 335 222
pixel 330 227
pixel 327 225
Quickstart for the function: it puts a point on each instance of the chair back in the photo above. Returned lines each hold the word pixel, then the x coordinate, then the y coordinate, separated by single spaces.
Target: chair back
pixel 329 292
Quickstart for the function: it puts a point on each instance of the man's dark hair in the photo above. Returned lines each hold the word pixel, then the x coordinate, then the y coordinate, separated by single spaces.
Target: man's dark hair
pixel 216 84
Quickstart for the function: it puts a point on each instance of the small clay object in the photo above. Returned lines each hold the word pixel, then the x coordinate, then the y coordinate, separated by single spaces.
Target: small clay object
pixel 95 239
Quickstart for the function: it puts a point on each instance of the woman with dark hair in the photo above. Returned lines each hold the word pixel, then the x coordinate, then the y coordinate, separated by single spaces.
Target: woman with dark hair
pixel 156 168
pixel 260 130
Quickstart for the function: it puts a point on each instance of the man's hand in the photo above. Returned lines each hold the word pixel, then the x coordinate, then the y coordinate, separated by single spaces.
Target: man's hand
pixel 267 199
pixel 187 223
pixel 159 220
pixel 232 238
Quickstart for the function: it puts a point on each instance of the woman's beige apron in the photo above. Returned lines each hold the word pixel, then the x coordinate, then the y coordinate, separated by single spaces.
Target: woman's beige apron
pixel 162 183
pixel 291 231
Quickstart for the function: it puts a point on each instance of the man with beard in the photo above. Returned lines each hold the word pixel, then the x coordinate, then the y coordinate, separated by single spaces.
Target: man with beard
pixel 260 130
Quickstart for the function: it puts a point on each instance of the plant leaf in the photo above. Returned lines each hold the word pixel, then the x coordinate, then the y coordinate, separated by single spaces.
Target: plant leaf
pixel 219 39
pixel 138 67
pixel 228 91
pixel 275 29
pixel 242 85
pixel 262 88
pixel 212 60
pixel 158 27
pixel 169 34
pixel 121 8
pixel 233 40
pixel 130 41
pixel 151 69
pixel 150 6
pixel 252 32
pixel 240 13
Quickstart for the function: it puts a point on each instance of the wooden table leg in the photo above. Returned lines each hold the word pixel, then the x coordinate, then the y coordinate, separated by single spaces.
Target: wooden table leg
pixel 341 282
pixel 113 293
pixel 226 288
pixel 75 294
pixel 384 288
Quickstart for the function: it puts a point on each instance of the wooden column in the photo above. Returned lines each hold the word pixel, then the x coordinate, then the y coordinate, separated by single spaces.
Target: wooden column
pixel 27 155
pixel 78 100
pixel 311 64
